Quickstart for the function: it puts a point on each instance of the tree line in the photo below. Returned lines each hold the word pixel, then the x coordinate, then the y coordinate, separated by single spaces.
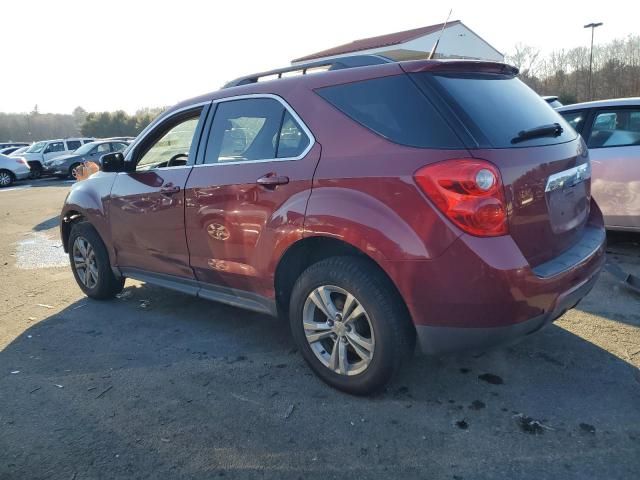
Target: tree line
pixel 34 126
pixel 565 72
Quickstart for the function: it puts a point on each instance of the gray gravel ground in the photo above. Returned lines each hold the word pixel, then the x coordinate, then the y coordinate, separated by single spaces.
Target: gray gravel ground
pixel 186 388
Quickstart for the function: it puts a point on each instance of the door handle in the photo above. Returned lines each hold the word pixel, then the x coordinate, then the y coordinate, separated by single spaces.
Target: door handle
pixel 271 180
pixel 169 190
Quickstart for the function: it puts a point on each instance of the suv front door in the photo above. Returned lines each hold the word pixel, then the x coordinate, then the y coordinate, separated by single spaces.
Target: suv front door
pixel 147 201
pixel 247 196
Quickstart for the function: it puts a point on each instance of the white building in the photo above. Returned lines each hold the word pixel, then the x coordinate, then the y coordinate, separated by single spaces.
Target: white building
pixel 457 41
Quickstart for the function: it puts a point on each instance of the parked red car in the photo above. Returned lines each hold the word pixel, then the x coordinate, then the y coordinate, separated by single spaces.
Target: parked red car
pixel 375 203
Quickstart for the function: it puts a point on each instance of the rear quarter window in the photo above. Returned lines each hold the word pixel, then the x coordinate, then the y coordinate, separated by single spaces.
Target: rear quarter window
pixel 394 108
pixel 496 107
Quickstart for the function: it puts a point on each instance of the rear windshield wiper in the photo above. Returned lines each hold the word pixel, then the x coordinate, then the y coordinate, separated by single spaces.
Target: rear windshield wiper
pixel 553 129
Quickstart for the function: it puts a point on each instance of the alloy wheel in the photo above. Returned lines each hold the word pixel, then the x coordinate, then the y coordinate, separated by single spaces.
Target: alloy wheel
pixel 5 179
pixel 338 330
pixel 85 263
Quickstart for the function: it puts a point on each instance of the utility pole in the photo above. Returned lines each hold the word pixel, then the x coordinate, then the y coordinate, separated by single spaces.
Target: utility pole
pixel 592 26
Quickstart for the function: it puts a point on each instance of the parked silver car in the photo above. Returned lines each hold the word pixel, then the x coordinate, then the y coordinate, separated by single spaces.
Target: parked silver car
pixel 66 166
pixel 611 129
pixel 12 169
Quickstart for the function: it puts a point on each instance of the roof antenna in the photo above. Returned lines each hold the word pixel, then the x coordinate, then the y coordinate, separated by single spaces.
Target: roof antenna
pixel 435 45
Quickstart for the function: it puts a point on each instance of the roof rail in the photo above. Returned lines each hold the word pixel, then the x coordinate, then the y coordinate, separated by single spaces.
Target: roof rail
pixel 331 64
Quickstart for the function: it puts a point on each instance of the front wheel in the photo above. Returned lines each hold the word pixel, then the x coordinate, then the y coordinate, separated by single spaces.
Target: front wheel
pixel 90 263
pixel 36 170
pixel 350 324
pixel 74 170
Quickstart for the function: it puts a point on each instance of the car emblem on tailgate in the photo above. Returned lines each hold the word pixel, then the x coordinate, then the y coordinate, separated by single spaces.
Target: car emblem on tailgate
pixel 568 178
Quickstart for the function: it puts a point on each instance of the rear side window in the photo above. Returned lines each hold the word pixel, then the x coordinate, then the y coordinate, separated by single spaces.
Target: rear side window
pixel 394 108
pixel 73 144
pixel 615 128
pixel 496 108
pixel 254 129
pixel 293 140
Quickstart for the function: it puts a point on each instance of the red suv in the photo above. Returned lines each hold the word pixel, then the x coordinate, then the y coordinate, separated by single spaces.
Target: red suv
pixel 372 202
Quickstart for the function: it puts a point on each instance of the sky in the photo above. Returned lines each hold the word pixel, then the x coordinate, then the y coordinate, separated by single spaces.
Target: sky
pixel 109 55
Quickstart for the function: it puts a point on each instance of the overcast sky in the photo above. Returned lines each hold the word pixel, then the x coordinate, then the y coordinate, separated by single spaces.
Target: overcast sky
pixel 108 55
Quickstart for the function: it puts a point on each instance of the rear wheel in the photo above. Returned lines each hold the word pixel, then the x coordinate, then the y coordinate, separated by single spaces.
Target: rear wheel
pixel 90 263
pixel 350 324
pixel 6 178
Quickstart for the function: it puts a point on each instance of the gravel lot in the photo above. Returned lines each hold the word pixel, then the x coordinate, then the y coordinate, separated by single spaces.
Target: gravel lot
pixel 160 385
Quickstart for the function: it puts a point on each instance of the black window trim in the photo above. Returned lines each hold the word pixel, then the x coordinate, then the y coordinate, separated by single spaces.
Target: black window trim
pixel 312 139
pixel 593 113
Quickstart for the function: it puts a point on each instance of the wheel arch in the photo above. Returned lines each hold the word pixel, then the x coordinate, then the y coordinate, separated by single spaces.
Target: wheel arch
pixel 310 250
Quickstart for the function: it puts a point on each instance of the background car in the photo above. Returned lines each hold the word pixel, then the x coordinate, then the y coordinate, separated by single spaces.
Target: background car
pixel 611 129
pixel 12 169
pixel 9 150
pixel 4 145
pixel 65 166
pixel 40 152
pixel 18 152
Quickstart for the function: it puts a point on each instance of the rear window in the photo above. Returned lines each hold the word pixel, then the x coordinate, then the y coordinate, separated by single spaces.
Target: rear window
pixel 495 108
pixel 394 108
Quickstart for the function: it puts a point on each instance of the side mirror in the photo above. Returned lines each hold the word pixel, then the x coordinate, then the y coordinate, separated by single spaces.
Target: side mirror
pixel 112 162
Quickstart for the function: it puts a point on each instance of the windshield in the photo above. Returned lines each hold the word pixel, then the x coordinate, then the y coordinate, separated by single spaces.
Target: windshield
pixel 86 148
pixel 496 108
pixel 36 147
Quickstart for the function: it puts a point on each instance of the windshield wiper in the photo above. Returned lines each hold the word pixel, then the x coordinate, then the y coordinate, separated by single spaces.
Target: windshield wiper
pixel 553 129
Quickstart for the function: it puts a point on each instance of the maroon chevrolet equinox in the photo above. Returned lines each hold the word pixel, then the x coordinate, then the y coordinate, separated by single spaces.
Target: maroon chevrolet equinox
pixel 374 203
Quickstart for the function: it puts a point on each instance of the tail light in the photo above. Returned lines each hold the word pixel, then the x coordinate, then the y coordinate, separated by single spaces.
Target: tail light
pixel 469 192
pixel 22 161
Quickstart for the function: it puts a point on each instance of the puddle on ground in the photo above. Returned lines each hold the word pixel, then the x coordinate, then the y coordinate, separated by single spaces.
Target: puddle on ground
pixel 37 250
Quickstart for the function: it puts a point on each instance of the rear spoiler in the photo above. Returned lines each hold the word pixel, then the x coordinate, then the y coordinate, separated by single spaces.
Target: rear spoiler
pixel 458 66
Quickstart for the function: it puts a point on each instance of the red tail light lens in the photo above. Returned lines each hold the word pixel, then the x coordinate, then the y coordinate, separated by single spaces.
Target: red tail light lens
pixel 469 192
pixel 23 162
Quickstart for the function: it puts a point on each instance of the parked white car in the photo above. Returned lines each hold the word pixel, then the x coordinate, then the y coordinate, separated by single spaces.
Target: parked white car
pixel 42 153
pixel 11 169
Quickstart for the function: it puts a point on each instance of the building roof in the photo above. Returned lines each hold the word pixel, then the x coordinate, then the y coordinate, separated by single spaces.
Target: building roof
pixel 377 42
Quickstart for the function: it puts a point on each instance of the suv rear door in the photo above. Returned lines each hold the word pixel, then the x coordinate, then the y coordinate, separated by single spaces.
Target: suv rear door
pixel 247 196
pixel 147 202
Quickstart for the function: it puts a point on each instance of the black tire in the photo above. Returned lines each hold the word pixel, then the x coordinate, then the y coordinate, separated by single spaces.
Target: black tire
pixel 71 168
pixel 6 178
pixel 107 285
pixel 388 317
pixel 36 170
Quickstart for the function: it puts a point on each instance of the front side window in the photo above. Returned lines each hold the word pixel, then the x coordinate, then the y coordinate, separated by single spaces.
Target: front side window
pixel 73 145
pixel 245 130
pixel 615 128
pixel 575 119
pixel 173 146
pixel 102 149
pixel 54 147
pixel 118 146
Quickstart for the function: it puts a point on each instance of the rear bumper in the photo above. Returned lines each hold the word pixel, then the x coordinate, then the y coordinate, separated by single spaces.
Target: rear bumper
pixel 441 340
pixel 482 291
pixel 22 174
